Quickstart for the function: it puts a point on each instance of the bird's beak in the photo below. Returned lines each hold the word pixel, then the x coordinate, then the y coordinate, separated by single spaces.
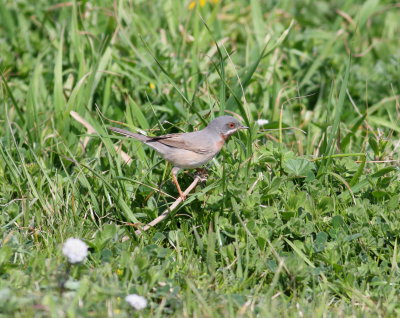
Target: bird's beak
pixel 243 127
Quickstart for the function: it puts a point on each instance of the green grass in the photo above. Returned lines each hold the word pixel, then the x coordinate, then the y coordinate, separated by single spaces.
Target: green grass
pixel 299 217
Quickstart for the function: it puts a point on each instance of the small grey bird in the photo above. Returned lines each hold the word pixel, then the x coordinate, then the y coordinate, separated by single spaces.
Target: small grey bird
pixel 190 150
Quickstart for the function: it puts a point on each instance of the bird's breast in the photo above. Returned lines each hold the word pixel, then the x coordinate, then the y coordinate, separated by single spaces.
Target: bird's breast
pixel 220 142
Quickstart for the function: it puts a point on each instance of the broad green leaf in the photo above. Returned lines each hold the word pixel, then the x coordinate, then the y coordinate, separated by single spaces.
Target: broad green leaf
pixel 298 167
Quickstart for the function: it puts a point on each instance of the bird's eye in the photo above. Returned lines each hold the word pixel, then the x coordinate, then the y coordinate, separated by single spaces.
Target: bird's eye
pixel 231 125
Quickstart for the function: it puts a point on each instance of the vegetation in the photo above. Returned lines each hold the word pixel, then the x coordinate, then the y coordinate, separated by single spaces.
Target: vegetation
pixel 299 216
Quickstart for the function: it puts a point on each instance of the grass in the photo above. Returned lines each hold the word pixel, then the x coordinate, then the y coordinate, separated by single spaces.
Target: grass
pixel 299 217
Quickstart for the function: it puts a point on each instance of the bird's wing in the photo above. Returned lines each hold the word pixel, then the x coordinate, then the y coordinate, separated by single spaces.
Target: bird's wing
pixel 188 141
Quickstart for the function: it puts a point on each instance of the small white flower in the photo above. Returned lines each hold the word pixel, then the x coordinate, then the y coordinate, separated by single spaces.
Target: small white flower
pixel 75 250
pixel 136 301
pixel 262 122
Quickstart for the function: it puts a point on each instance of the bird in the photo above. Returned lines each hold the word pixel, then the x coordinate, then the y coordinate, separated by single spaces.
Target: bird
pixel 189 150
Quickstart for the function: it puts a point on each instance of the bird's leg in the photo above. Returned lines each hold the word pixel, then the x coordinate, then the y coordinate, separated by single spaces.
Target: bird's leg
pixel 175 180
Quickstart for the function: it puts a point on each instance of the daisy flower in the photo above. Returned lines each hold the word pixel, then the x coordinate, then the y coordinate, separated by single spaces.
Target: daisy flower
pixel 75 250
pixel 137 302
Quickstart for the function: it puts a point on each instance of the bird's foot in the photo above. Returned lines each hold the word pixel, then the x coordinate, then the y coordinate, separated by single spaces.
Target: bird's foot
pixel 202 174
pixel 182 196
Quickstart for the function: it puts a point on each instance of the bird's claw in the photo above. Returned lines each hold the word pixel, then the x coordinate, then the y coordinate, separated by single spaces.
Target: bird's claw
pixel 202 174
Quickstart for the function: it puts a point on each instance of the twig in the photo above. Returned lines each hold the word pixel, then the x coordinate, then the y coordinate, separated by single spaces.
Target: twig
pixel 89 127
pixel 125 157
pixel 90 130
pixel 169 210
pixel 378 161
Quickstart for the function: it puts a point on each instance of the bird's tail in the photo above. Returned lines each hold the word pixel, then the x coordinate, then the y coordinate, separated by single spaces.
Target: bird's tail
pixel 129 134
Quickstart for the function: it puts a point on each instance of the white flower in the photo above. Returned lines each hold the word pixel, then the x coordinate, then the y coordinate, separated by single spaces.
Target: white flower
pixel 262 122
pixel 75 250
pixel 136 301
